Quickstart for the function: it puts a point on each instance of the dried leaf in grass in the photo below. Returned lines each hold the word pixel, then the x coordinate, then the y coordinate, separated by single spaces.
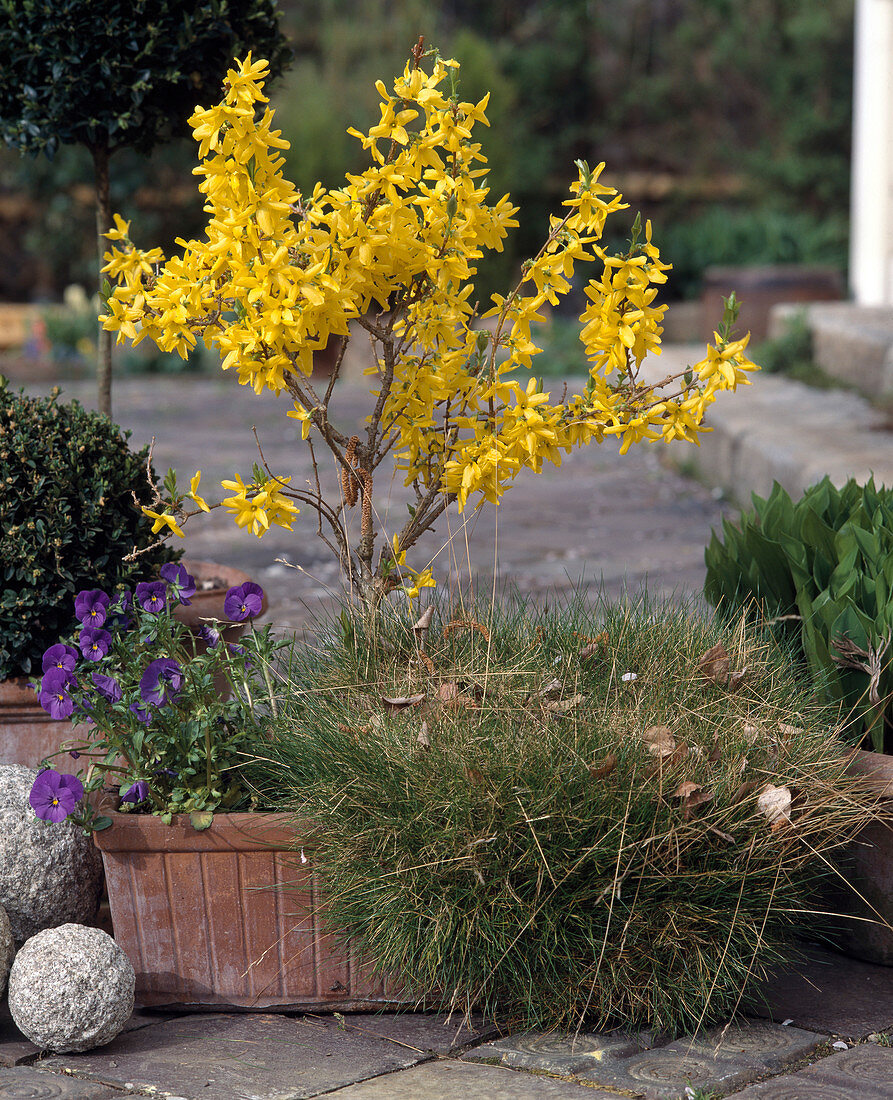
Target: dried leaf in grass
pixel 744 789
pixel 678 754
pixel 750 731
pixel 552 690
pixel 716 666
pixel 608 765
pixel 595 647
pixel 692 795
pixel 474 775
pixel 453 693
pixel 775 803
pixel 562 706
pixel 715 752
pixel 659 741
pixel 400 702
pixel 424 619
pixel 787 732
pixel 423 738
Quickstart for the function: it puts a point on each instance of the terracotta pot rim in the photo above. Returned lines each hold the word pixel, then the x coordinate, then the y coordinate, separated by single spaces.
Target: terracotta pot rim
pixel 258 830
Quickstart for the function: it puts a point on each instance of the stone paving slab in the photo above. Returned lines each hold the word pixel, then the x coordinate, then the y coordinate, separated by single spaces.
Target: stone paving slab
pixel 765 1046
pixel 665 1073
pixel 831 993
pixel 864 1072
pixel 23 1083
pixel 423 1032
pixel 16 1050
pixel 556 1053
pixel 866 1065
pixel 451 1080
pixel 722 1058
pixel 239 1057
pixel 802 1088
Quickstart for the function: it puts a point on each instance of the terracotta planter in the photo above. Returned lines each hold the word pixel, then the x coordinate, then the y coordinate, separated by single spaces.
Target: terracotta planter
pixel 27 733
pixel 204 919
pixel 867 865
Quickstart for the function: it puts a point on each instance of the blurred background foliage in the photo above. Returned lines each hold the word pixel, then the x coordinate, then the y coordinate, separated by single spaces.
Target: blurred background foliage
pixel 727 123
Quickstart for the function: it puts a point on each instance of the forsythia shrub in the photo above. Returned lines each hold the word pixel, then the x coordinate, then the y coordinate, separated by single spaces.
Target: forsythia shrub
pixel 279 274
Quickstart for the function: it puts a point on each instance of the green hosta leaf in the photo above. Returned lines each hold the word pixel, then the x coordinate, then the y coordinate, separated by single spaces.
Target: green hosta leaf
pixel 869 544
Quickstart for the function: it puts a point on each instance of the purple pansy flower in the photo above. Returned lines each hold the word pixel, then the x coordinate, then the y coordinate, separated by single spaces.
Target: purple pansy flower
pixel 91 606
pixel 142 714
pixel 107 687
pixel 139 792
pixel 94 642
pixel 151 595
pixel 243 602
pixel 54 696
pixel 53 796
pixel 161 682
pixel 60 656
pixel 209 636
pixel 180 582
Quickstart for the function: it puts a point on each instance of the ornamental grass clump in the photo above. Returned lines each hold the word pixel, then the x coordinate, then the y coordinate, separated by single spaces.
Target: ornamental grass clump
pixel 563 818
pixel 390 257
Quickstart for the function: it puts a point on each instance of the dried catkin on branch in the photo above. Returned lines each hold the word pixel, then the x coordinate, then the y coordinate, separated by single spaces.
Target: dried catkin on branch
pixel 348 480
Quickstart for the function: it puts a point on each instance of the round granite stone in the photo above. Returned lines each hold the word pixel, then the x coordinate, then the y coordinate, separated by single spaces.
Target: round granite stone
pixel 50 873
pixel 71 989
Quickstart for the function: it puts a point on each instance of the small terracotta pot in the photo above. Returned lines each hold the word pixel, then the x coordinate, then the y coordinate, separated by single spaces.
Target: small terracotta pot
pixel 27 733
pixel 213 581
pixel 231 915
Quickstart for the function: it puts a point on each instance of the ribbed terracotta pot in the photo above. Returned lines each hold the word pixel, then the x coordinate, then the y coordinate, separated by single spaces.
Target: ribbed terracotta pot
pixel 231 915
pixel 867 865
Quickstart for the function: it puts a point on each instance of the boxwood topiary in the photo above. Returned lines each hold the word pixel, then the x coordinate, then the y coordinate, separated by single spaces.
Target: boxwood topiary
pixel 67 519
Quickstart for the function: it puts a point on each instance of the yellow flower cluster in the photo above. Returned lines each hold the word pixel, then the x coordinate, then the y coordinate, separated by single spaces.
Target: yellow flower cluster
pixel 258 506
pixel 278 274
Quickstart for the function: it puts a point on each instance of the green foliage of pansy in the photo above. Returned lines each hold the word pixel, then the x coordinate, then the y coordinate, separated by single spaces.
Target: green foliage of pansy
pixel 67 519
pixel 821 570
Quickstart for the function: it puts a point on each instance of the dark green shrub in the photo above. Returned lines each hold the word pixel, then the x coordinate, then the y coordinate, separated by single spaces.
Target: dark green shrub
pixel 561 816
pixel 67 519
pixel 822 570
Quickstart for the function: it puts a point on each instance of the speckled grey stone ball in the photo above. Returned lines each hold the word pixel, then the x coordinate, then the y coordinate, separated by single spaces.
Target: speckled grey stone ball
pixel 71 989
pixel 7 948
pixel 50 874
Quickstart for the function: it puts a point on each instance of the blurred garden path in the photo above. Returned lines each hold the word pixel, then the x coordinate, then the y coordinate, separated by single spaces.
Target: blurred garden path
pixel 599 520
